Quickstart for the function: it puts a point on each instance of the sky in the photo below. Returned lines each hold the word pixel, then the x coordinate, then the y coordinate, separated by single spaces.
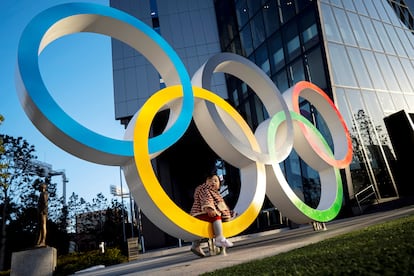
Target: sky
pixel 77 69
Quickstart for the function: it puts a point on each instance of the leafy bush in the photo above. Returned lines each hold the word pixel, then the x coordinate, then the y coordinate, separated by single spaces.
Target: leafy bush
pixel 69 264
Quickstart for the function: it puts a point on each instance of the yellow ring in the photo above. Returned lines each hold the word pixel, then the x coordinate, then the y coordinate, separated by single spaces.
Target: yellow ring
pixel 150 181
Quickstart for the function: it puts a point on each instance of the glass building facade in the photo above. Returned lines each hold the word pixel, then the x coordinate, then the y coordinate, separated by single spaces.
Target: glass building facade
pixel 361 53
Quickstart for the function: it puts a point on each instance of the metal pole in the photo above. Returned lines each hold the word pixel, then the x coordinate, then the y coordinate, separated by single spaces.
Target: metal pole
pixel 64 180
pixel 132 216
pixel 122 200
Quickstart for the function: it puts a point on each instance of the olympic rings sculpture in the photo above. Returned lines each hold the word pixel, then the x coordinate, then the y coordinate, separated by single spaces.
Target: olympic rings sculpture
pixel 257 154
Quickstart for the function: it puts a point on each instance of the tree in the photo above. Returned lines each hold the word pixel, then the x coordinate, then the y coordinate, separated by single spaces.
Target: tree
pixel 97 212
pixel 3 175
pixel 15 178
pixel 113 227
pixel 90 223
pixel 76 206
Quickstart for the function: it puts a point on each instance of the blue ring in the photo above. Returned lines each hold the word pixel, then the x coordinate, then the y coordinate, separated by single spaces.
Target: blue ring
pixel 36 90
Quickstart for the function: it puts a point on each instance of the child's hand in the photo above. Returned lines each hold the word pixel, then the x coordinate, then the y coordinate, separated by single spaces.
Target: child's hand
pixel 234 214
pixel 211 212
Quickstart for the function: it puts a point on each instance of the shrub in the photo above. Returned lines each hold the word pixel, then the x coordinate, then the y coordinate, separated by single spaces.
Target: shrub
pixel 69 264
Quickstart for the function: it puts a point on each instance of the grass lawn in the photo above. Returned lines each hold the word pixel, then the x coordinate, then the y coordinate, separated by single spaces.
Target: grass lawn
pixel 384 249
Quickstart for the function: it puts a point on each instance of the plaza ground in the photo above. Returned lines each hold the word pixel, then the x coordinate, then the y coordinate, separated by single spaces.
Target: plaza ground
pixel 180 261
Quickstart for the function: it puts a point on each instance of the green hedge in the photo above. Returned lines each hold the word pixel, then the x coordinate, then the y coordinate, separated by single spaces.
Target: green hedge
pixel 69 264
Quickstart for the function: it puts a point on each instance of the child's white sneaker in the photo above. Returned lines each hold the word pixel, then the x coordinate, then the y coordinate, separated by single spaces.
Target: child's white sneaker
pixel 224 243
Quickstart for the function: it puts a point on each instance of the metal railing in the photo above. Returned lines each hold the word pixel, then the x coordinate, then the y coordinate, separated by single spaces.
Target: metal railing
pixel 364 195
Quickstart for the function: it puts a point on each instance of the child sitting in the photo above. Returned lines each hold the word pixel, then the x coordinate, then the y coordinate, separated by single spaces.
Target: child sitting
pixel 209 206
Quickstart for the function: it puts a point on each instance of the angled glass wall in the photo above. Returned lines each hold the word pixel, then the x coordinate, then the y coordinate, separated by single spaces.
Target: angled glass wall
pixel 370 53
pixel 359 52
pixel 284 39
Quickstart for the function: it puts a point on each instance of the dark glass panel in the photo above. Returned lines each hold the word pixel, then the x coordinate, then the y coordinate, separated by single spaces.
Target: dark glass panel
pixel 242 13
pixel 246 40
pixel 258 30
pixel 270 17
pixel 276 53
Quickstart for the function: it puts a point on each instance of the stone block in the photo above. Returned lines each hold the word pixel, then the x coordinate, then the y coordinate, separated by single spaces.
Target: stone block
pixel 34 262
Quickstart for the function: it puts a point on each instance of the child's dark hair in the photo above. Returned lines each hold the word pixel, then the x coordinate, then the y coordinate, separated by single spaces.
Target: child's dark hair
pixel 210 174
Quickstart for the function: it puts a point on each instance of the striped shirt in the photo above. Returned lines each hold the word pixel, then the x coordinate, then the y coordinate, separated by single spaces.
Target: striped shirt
pixel 205 196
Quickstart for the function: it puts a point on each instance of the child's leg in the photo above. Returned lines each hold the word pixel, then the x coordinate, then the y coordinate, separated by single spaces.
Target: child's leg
pixel 221 241
pixel 218 229
pixel 196 248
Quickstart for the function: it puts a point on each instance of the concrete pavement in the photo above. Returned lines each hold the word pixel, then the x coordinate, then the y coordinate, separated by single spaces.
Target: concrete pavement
pixel 180 261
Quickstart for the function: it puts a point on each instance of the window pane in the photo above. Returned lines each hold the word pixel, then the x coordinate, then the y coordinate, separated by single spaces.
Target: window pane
pixel 374 136
pixel 359 174
pixel 244 90
pixel 291 36
pixel 343 73
pixel 287 10
pixel 296 72
pixel 315 67
pixel 371 9
pixel 405 42
pixel 391 14
pixel 246 40
pixel 309 30
pixel 395 40
pixel 277 56
pixel 342 105
pixel 254 6
pixel 293 47
pixel 310 33
pixel 293 173
pixel 337 3
pixel 385 40
pixel 282 81
pixel 371 101
pixel 373 70
pixel 271 17
pixel 235 47
pixel 332 31
pixel 235 97
pixel 349 5
pixel 399 101
pixel 359 67
pixel 410 102
pixel 259 109
pixel 372 35
pixel 360 7
pixel 386 102
pixel 358 31
pixel 384 66
pixel 381 11
pixel 344 27
pixel 248 114
pixel 399 71
pixel 262 59
pixel 363 136
pixel 377 116
pixel 409 69
pixel 301 4
pixel 258 32
pixel 242 13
